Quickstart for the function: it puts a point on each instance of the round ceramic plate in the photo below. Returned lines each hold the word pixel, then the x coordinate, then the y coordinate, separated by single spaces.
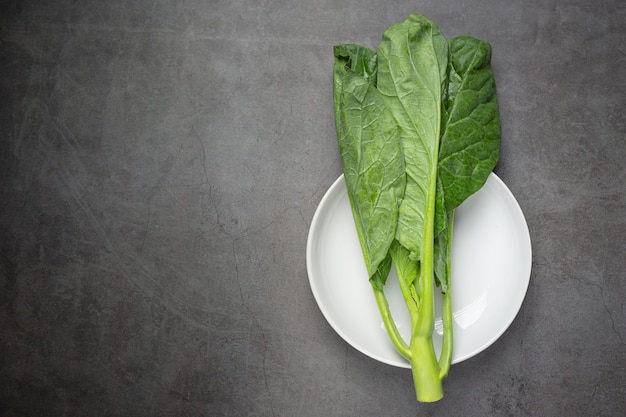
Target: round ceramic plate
pixel 491 262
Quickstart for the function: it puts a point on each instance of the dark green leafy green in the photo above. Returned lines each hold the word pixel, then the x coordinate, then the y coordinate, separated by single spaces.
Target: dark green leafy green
pixel 412 64
pixel 418 132
pixel 372 158
pixel 470 143
pixel 358 59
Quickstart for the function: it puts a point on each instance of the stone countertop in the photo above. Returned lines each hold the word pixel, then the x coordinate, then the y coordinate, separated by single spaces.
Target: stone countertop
pixel 160 164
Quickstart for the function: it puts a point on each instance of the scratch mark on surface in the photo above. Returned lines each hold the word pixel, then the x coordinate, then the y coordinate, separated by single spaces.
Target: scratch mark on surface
pixel 127 374
pixel 258 325
pixel 146 227
pixel 265 377
pixel 237 278
pixel 203 148
pixel 68 138
pixel 605 305
pixel 185 398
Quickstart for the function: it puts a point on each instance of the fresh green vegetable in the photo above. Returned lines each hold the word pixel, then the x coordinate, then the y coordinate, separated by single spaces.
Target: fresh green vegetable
pixel 418 132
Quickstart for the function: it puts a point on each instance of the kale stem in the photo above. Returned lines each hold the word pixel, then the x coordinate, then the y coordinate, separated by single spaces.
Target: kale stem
pixel 425 324
pixel 446 307
pixel 446 350
pixel 390 325
pixel 426 371
pixel 428 384
pixel 411 298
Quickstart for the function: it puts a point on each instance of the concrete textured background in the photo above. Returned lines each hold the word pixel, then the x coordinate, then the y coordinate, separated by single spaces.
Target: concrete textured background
pixel 160 164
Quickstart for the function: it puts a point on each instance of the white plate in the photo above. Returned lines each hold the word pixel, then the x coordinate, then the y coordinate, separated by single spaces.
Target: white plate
pixel 491 262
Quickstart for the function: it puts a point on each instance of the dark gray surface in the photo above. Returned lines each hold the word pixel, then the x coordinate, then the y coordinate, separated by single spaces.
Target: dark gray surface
pixel 160 163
